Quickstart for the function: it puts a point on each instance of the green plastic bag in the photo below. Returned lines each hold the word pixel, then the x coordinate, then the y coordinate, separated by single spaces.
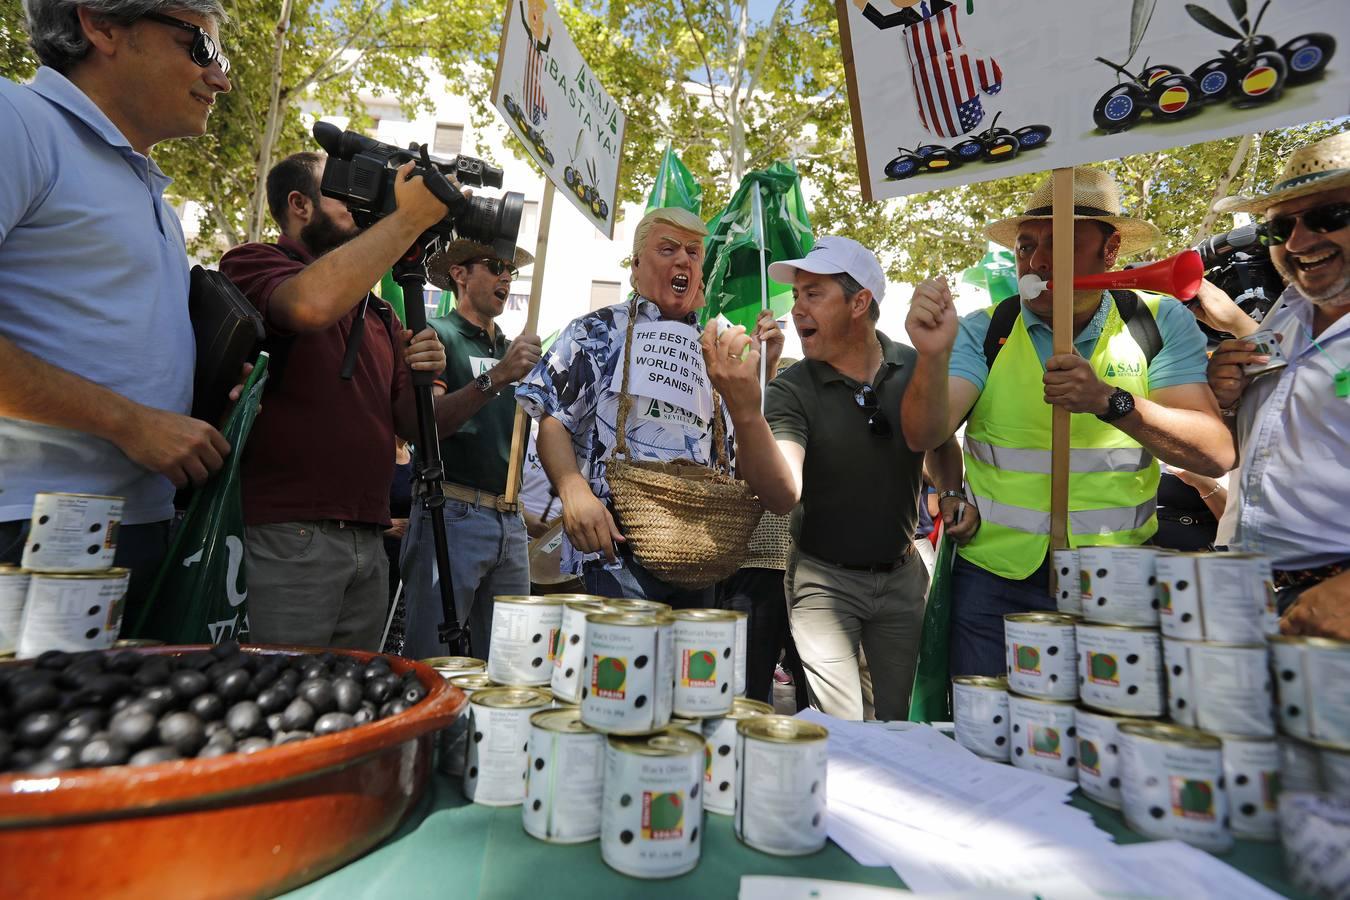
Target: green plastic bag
pixel 200 595
pixel 930 700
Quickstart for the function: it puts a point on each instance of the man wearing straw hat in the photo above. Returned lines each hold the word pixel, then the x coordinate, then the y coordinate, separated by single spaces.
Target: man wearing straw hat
pixel 475 414
pixel 574 393
pixel 828 449
pixel 1292 425
pixel 1135 382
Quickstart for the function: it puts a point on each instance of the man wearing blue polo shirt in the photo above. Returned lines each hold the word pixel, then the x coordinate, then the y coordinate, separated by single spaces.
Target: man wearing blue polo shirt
pixel 96 347
pixel 1136 382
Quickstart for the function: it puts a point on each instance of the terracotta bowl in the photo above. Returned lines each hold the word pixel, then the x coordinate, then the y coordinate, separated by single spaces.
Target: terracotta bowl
pixel 233 826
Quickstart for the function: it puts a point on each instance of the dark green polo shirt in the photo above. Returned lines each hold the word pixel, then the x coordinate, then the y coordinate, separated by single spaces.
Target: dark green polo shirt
pixel 476 455
pixel 860 491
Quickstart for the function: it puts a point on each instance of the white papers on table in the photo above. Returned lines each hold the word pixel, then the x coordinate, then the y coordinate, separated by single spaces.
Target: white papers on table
pixel 946 820
pixel 772 887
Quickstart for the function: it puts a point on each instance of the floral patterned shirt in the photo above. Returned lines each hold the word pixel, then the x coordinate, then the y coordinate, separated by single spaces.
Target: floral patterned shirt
pixel 578 382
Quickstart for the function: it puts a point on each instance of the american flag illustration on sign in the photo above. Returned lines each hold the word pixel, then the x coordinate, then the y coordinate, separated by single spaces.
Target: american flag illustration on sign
pixel 946 73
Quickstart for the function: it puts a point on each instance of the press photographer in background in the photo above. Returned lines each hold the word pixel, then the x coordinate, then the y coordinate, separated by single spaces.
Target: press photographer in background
pixel 96 347
pixel 319 464
pixel 1291 422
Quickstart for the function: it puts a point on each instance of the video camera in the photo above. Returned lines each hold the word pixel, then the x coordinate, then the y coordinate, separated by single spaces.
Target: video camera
pixel 1238 263
pixel 360 172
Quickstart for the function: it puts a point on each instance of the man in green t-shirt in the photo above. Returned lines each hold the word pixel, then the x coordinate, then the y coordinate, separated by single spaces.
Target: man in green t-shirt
pixel 828 448
pixel 487 537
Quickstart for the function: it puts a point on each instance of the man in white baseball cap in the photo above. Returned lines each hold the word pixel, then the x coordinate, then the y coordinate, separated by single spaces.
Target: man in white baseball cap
pixel 828 448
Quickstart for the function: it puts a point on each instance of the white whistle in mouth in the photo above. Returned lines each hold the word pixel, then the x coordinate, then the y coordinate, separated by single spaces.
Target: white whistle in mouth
pixel 1031 286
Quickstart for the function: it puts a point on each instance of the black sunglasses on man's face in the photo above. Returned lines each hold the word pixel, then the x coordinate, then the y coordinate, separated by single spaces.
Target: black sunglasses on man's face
pixel 1320 220
pixel 866 398
pixel 495 266
pixel 203 49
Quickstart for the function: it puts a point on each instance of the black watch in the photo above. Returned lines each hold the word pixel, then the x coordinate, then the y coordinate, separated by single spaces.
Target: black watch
pixel 484 383
pixel 1119 404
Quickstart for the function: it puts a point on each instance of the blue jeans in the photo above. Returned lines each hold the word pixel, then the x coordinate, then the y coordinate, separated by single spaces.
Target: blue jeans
pixel 631 579
pixel 140 548
pixel 488 557
pixel 980 599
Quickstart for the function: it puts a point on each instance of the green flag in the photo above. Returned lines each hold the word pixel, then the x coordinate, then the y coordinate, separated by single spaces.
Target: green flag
pixel 675 186
pixel 392 294
pixel 930 698
pixel 200 595
pixel 996 273
pixel 731 269
pixel 445 304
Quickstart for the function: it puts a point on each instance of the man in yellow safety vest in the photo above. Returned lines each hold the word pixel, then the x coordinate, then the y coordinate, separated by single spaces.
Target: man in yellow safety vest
pixel 1136 382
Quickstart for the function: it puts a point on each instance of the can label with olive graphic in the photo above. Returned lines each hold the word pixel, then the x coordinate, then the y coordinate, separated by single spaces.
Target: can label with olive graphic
pixel 1222 688
pixel 72 532
pixel 1068 590
pixel 1119 585
pixel 1311 675
pixel 72 611
pixel 499 736
pixel 13 595
pixel 1219 597
pixel 569 656
pixel 719 760
pixel 1099 755
pixel 1042 654
pixel 705 643
pixel 1251 774
pixel 1043 736
pixel 652 804
pixel 630 681
pixel 780 785
pixel 564 779
pixel 1172 784
pixel 980 713
pixel 524 635
pixel 1120 669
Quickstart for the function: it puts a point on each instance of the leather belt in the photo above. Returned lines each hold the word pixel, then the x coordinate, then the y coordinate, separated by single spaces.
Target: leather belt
pixel 872 568
pixel 479 498
pixel 1302 578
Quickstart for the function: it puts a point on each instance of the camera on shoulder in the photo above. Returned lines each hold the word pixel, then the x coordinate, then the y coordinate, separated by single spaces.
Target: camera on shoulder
pixel 361 171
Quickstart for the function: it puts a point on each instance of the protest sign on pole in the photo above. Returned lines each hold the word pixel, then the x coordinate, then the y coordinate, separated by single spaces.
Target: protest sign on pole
pixel 558 110
pixel 984 89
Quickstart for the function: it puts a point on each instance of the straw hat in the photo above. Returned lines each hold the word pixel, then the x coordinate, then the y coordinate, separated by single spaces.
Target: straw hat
pixel 1323 166
pixel 460 251
pixel 1096 197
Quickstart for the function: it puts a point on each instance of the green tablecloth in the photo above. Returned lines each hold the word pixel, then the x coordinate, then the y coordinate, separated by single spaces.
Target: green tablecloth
pixel 453 849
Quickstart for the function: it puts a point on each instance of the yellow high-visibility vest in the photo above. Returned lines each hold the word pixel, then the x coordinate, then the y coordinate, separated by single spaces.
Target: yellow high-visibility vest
pixel 1113 480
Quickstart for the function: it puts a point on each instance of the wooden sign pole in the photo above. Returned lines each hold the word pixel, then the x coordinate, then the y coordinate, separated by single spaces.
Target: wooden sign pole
pixel 1062 300
pixel 521 431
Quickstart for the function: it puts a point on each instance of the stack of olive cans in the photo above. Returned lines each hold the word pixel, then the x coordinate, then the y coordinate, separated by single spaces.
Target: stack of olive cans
pixel 1120 661
pixel 1313 702
pixel 1217 613
pixel 67 595
pixel 1042 676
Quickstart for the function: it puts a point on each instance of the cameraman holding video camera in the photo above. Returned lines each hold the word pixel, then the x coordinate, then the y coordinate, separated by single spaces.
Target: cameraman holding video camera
pixel 319 464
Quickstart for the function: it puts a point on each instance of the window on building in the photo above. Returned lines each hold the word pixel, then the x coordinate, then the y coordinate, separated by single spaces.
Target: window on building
pixel 604 293
pixel 449 138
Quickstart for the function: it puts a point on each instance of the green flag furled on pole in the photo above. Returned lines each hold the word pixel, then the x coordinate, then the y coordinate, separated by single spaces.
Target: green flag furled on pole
pixel 445 303
pixel 731 272
pixel 675 186
pixel 996 273
pixel 392 294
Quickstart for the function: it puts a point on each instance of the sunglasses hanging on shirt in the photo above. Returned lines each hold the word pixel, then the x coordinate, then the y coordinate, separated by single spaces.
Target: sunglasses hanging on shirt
pixel 866 398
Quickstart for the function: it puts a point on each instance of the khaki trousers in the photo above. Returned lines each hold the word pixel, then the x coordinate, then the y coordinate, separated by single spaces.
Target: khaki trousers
pixel 837 615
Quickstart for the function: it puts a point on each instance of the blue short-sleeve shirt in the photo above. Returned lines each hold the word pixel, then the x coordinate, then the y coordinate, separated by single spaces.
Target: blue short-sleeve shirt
pixel 1181 360
pixel 94 280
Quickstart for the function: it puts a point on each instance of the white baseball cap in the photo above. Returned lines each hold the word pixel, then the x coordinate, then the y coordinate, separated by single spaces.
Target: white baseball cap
pixel 831 255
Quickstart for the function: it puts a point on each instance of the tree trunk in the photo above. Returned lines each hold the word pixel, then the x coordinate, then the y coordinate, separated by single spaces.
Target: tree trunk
pixel 1222 188
pixel 275 116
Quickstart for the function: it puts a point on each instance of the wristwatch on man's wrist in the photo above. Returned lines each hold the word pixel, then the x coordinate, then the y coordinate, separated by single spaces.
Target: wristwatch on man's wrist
pixel 1118 405
pixel 484 383
pixel 960 495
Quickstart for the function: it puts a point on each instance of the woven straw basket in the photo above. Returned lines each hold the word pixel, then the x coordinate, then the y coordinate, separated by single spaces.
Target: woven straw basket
pixel 688 524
